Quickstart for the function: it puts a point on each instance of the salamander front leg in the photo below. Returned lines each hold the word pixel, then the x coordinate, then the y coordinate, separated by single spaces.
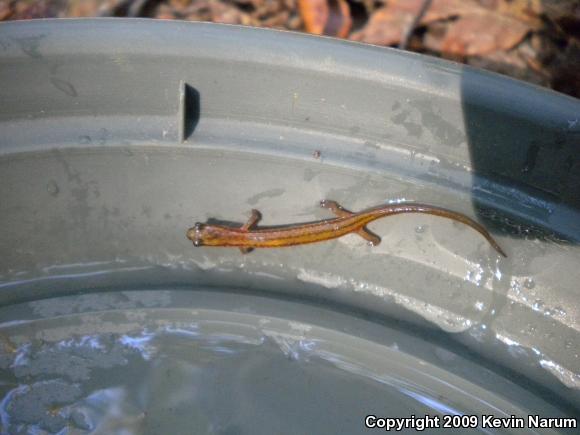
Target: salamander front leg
pixel 369 236
pixel 335 207
pixel 255 217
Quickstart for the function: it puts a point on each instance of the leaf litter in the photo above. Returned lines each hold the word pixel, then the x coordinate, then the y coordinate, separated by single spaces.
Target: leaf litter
pixel 533 40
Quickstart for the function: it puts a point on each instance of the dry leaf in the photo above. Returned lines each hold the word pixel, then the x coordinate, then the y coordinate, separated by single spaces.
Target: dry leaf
pixel 37 9
pixel 565 14
pixel 433 39
pixel 165 12
pixel 179 4
pixel 314 14
pixel 439 9
pixel 90 8
pixel 482 33
pixel 228 14
pixel 566 78
pixel 277 20
pixel 323 18
pixel 339 21
pixel 5 9
pixel 387 25
pixel 527 11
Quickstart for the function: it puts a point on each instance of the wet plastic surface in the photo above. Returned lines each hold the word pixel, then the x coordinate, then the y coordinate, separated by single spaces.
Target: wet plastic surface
pixel 146 362
pixel 116 136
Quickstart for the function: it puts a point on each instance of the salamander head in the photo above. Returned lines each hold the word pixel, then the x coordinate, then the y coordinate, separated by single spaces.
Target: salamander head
pixel 206 235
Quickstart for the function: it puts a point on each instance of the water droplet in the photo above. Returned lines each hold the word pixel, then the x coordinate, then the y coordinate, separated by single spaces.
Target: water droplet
pixel 537 305
pixel 516 286
pixel 529 283
pixel 479 306
pixel 568 344
pixel 559 311
pixel 420 229
pixel 52 188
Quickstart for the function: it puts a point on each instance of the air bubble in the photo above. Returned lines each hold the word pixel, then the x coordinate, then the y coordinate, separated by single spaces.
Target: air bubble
pixel 420 229
pixel 52 188
pixel 529 283
pixel 560 311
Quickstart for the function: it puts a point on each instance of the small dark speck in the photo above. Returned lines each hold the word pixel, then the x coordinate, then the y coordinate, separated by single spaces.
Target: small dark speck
pixel 85 140
pixel 531 158
pixel 146 210
pixel 103 136
pixel 167 216
pixel 316 154
pixel 355 129
pixel 30 45
pixel 272 193
pixel 309 174
pixel 568 164
pixel 52 188
pixel 64 86
pixel 307 119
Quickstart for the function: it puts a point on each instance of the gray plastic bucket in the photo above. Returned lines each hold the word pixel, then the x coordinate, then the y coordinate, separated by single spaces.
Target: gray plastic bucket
pixel 116 136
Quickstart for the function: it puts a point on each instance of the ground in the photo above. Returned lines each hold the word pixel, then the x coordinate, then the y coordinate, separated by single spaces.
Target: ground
pixel 533 40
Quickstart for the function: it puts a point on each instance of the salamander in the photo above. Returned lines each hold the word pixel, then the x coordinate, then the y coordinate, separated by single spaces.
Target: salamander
pixel 248 237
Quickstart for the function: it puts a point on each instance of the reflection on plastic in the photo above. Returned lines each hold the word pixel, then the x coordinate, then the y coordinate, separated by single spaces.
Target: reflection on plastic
pixel 163 369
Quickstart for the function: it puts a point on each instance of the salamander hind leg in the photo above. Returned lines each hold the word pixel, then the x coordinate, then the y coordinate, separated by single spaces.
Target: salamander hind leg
pixel 335 207
pixel 254 219
pixel 369 236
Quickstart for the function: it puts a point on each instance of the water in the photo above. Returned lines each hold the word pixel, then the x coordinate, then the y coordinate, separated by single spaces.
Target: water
pixel 205 362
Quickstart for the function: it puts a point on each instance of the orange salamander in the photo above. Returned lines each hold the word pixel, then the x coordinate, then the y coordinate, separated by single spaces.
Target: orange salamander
pixel 248 237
